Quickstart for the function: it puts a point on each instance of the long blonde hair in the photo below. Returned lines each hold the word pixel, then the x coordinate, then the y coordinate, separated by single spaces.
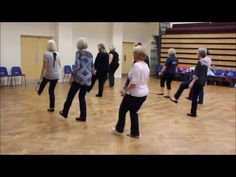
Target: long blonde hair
pixel 101 48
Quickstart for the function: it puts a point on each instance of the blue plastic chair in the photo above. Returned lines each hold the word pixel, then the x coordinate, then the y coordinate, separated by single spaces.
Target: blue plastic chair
pixel 230 77
pixel 4 73
pixel 67 71
pixel 219 75
pixel 16 72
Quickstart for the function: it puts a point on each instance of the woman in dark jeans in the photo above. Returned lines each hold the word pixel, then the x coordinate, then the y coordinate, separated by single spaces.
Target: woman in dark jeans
pixel 80 80
pixel 100 69
pixel 168 72
pixel 50 72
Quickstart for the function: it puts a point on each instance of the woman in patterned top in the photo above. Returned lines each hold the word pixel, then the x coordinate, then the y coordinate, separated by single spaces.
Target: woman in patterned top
pixel 80 79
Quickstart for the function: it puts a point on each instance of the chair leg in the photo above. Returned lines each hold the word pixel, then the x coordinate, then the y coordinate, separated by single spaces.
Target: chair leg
pixel 25 80
pixel 15 80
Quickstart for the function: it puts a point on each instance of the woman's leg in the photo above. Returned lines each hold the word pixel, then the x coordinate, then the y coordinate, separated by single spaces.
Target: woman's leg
pixel 136 103
pixel 51 91
pixel 70 96
pixel 124 107
pixel 162 84
pixel 82 102
pixel 42 85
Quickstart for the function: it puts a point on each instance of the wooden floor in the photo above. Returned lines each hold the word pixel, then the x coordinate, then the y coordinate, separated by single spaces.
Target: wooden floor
pixel 27 128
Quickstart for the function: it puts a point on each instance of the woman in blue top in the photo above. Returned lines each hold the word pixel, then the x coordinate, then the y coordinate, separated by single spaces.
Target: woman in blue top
pixel 168 72
pixel 80 79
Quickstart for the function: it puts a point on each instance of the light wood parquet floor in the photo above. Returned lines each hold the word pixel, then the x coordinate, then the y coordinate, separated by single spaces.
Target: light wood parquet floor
pixel 27 128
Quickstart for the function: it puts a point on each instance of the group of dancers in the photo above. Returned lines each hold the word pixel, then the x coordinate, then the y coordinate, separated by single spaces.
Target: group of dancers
pixel 135 91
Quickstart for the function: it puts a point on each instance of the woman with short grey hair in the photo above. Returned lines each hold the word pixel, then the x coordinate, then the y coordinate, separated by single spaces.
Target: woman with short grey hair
pixel 50 72
pixel 196 84
pixel 80 80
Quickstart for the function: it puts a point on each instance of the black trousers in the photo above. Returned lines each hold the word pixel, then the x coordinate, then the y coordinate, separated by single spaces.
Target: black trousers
pixel 182 87
pixel 51 90
pixel 195 92
pixel 111 74
pixel 70 96
pixel 101 80
pixel 196 89
pixel 200 96
pixel 168 78
pixel 131 104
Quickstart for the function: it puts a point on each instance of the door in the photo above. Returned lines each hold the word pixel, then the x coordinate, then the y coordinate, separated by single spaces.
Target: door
pixel 32 50
pixel 127 58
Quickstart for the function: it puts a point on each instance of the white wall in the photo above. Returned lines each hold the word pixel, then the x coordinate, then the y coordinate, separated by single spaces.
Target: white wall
pixel 95 33
pixel 67 34
pixel 117 39
pixel 140 32
pixel 10 39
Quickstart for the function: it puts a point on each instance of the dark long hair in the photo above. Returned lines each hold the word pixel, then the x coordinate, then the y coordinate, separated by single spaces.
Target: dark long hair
pixel 54 58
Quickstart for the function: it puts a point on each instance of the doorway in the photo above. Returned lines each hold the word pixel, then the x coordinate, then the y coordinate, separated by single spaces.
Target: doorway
pixel 32 51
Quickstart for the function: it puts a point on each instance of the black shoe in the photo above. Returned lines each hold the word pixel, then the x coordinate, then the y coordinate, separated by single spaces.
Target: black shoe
pixel 51 110
pixel 160 94
pixel 98 95
pixel 63 115
pixel 188 98
pixel 173 100
pixel 191 115
pixel 132 136
pixel 80 119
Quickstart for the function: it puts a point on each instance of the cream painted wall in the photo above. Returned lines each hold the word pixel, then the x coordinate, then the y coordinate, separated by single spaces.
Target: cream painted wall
pixel 140 32
pixel 117 38
pixel 10 39
pixel 95 33
pixel 67 34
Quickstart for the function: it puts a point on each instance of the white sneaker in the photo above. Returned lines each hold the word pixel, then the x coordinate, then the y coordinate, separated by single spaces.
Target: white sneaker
pixel 37 86
pixel 114 131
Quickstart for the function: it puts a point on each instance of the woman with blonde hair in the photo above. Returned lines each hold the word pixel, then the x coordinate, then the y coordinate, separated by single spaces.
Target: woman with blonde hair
pixel 168 72
pixel 50 72
pixel 100 69
pixel 136 93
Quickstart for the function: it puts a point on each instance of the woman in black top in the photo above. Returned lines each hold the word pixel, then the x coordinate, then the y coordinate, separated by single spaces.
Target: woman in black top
pixel 113 65
pixel 100 69
pixel 196 84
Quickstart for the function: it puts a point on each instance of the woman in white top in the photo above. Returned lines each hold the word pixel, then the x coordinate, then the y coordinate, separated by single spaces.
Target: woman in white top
pixel 136 93
pixel 50 72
